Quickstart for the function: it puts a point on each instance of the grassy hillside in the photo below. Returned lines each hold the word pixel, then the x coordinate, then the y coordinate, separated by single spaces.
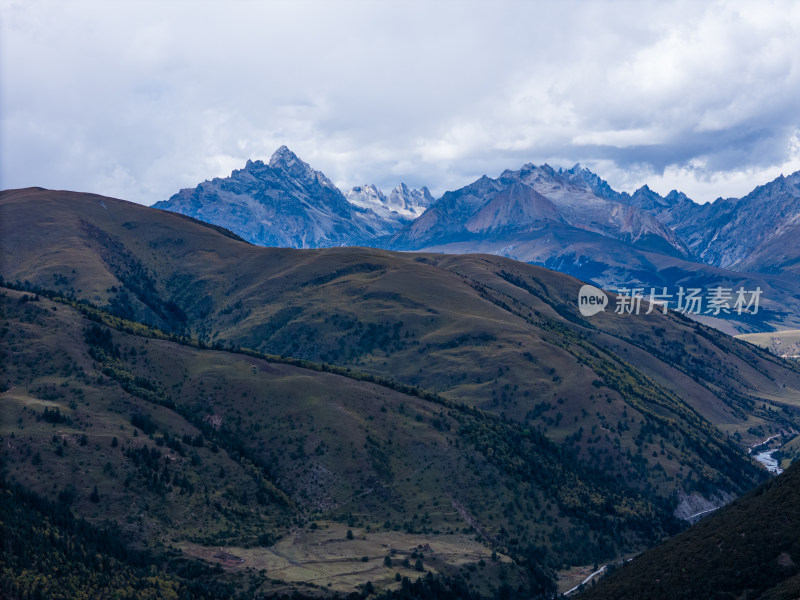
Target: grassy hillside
pixel 749 549
pixel 783 343
pixel 198 449
pixel 49 553
pixel 655 400
pixel 258 403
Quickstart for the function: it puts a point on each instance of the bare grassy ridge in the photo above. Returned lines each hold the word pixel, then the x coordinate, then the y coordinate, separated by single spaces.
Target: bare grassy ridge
pixel 637 396
pixel 783 343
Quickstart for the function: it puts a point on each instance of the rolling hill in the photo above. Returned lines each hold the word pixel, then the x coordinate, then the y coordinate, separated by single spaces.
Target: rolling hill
pixel 196 449
pixel 461 388
pixel 482 330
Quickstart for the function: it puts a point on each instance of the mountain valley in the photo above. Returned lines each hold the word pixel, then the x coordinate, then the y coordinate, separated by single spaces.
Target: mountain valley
pixel 460 401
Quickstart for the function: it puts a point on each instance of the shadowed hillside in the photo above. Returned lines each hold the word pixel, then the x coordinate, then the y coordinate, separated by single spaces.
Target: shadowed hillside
pixel 199 449
pixel 750 549
pixel 650 399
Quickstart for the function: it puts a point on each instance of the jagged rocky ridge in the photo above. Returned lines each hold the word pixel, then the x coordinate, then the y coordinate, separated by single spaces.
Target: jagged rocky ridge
pixel 286 203
pixel 569 220
pixel 534 198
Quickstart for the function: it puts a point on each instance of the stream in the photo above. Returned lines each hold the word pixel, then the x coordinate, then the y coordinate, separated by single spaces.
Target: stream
pixel 765 458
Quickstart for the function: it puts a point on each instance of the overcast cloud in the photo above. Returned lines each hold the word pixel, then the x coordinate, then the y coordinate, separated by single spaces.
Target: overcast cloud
pixel 139 99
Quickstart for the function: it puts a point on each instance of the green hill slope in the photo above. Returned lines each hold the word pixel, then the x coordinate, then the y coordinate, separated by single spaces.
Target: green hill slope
pixel 200 449
pixel 49 553
pixel 556 439
pixel 655 400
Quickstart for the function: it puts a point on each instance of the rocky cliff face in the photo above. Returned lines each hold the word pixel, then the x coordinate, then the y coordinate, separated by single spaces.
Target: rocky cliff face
pixel 389 214
pixel 284 203
pixel 519 202
pixel 759 232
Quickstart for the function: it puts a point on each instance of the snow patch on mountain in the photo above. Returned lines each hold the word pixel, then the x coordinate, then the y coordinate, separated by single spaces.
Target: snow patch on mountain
pixel 402 203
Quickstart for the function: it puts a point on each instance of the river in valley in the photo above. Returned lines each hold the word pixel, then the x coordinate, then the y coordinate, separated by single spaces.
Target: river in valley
pixel 765 457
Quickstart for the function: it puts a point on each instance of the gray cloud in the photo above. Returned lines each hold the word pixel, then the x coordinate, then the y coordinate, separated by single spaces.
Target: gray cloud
pixel 139 99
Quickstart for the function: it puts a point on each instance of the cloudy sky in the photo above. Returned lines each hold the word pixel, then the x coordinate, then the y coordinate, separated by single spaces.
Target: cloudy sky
pixel 139 99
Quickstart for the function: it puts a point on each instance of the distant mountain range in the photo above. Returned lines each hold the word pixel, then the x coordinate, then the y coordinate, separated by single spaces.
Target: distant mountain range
pixel 288 204
pixel 402 206
pixel 569 220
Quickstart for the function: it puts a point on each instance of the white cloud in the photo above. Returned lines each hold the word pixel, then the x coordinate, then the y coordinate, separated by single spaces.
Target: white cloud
pixel 695 179
pixel 139 99
pixel 621 138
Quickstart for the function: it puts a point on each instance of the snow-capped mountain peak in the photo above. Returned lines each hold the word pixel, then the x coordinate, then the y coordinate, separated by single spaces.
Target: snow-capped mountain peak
pixel 409 202
pixel 403 204
pixel 583 177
